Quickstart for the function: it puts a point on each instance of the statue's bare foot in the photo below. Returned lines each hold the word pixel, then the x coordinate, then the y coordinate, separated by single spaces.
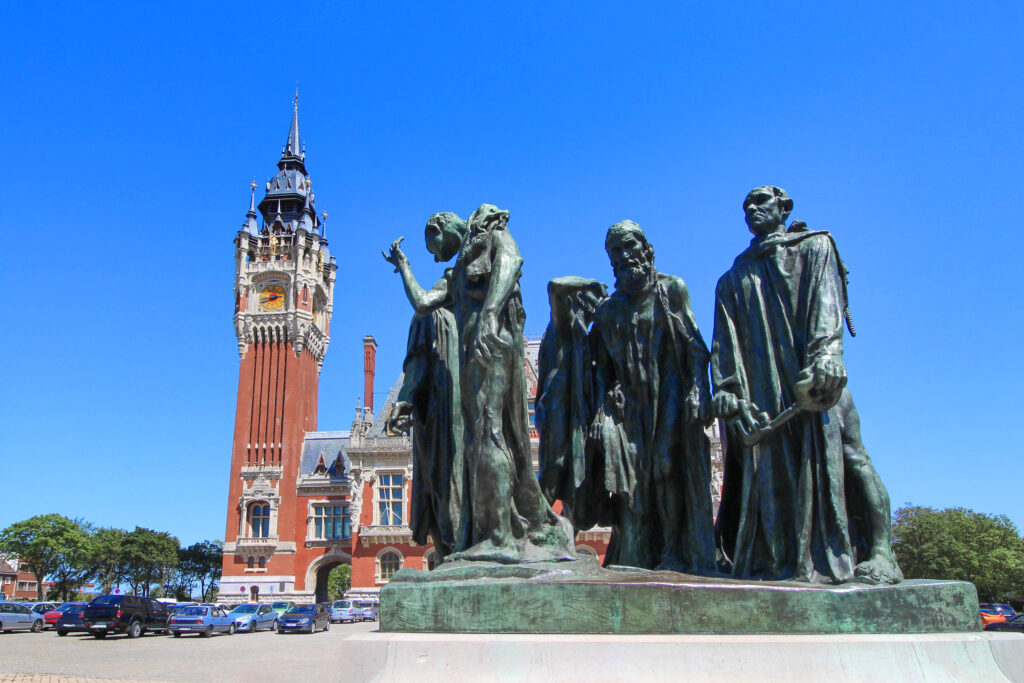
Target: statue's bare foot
pixel 878 568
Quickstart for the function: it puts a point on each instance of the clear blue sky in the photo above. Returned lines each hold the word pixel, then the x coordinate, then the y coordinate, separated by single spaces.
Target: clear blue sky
pixel 133 133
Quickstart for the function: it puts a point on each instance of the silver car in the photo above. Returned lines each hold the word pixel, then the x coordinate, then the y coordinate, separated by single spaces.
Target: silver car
pixel 345 610
pixel 15 616
pixel 202 620
pixel 251 617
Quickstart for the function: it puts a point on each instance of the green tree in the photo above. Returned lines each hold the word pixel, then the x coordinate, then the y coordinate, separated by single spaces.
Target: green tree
pixel 51 546
pixel 339 580
pixel 148 555
pixel 960 544
pixel 201 563
pixel 109 557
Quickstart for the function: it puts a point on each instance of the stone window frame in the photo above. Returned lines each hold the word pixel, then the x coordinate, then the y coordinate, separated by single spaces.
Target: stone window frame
pixel 378 575
pixel 584 549
pixel 311 519
pixel 431 554
pixel 377 486
pixel 265 516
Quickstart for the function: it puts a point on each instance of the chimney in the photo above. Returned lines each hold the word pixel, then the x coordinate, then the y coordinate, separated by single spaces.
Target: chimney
pixel 369 366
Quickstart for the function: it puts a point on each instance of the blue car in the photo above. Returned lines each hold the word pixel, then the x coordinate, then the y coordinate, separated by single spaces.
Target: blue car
pixel 252 617
pixel 306 618
pixel 202 620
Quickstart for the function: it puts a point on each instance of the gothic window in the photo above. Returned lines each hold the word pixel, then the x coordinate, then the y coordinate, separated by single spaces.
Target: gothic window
pixel 331 522
pixel 389 499
pixel 388 563
pixel 252 562
pixel 259 520
pixel 263 563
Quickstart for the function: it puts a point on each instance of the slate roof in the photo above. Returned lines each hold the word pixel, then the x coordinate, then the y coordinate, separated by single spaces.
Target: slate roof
pixel 327 445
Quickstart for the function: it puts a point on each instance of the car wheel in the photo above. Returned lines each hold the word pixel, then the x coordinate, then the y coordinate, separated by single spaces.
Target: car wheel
pixel 37 626
pixel 327 626
pixel 62 633
pixel 134 629
pixel 231 629
pixel 176 634
pixel 207 632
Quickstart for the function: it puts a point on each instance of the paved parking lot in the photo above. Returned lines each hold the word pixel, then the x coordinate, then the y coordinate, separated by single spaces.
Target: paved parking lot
pixel 264 656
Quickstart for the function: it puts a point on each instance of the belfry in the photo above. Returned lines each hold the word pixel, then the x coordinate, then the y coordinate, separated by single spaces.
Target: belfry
pixel 284 289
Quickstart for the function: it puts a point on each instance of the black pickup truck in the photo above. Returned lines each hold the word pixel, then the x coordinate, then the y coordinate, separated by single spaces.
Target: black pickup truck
pixel 132 615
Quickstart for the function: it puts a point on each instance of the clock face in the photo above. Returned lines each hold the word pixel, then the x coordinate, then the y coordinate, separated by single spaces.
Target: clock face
pixel 272 298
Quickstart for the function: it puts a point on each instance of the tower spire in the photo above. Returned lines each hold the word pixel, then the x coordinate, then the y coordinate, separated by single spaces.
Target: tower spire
pixel 292 147
pixel 250 225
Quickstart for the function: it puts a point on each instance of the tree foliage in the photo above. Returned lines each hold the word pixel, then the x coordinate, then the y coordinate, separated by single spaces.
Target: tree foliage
pixel 960 544
pixel 201 563
pixel 339 580
pixel 51 546
pixel 148 558
pixel 109 557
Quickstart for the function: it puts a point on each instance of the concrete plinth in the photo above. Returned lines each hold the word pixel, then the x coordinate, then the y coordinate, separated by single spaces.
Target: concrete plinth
pixel 582 597
pixel 835 658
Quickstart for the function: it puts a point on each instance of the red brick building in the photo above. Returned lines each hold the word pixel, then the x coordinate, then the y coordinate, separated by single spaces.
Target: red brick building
pixel 15 582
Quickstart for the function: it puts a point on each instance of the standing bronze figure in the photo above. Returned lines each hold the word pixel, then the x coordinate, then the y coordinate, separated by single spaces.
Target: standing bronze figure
pixel 506 518
pixel 796 473
pixel 429 398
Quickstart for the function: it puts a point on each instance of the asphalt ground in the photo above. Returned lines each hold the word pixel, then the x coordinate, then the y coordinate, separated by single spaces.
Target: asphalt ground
pixel 264 656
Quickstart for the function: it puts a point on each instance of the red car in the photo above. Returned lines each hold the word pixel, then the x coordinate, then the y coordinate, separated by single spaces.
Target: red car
pixel 50 617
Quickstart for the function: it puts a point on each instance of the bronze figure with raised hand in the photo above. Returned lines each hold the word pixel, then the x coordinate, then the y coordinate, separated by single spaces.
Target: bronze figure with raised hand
pixel 801 499
pixel 505 518
pixel 429 398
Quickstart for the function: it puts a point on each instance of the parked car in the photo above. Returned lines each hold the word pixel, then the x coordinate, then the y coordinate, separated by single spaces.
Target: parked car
pixel 50 616
pixel 201 619
pixel 40 607
pixel 70 619
pixel 132 615
pixel 251 617
pixel 15 616
pixel 344 610
pixel 306 618
pixel 281 606
pixel 1015 624
pixel 368 608
pixel 995 608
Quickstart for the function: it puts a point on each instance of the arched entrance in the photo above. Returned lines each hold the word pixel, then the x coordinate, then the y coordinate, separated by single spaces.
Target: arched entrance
pixel 319 571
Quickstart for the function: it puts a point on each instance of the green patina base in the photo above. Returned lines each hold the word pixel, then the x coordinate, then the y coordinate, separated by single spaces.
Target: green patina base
pixel 582 597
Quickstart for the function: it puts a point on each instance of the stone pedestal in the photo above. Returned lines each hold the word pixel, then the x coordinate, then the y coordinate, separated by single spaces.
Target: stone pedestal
pixel 582 597
pixel 445 658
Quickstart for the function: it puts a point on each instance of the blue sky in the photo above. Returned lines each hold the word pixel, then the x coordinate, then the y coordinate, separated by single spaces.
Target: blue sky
pixel 133 134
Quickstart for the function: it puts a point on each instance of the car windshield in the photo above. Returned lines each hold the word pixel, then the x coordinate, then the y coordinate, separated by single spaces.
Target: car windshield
pixel 343 603
pixel 107 599
pixel 301 609
pixel 193 611
pixel 69 608
pixel 364 605
pixel 245 609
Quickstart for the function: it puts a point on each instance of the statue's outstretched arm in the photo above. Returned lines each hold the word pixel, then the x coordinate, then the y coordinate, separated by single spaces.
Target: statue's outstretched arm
pixel 422 300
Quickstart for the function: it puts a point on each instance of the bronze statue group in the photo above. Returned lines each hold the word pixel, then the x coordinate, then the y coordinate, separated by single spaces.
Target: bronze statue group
pixel 627 387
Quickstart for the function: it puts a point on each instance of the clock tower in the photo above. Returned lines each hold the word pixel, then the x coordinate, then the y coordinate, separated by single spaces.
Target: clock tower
pixel 284 292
